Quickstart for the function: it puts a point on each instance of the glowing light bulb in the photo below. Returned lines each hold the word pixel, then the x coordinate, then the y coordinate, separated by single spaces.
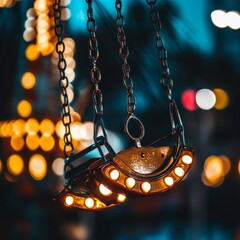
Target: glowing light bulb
pixel 15 164
pixel 121 198
pixel 130 182
pixel 179 171
pixel 114 174
pixel 69 200
pixel 146 187
pixel 168 181
pixel 187 159
pixel 89 203
pixel 104 190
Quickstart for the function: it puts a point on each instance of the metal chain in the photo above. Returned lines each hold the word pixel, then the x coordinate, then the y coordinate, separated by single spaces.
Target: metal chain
pixel 124 53
pixel 95 74
pixel 63 80
pixel 127 81
pixel 166 79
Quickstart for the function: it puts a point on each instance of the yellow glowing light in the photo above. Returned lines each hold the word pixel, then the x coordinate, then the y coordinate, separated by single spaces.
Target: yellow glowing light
pixel 212 182
pixel 32 141
pixel 222 98
pixel 187 159
pixel 60 129
pixel 114 174
pixel 75 130
pixel 47 142
pixel 32 52
pixel 130 182
pixel 104 190
pixel 28 80
pixel 89 202
pixel 24 108
pixel 58 166
pixel 19 127
pixel 3 129
pixel 17 142
pixel 213 168
pixel 179 171
pixel 9 129
pixel 15 164
pixel 47 49
pixel 168 181
pixel 46 126
pixel 86 130
pixel 37 167
pixel 146 187
pixel 69 200
pixel 32 126
pixel 121 198
pixel 226 164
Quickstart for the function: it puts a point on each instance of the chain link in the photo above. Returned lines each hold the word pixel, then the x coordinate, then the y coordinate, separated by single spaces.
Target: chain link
pixel 95 76
pixel 166 79
pixel 127 81
pixel 124 53
pixel 93 54
pixel 63 80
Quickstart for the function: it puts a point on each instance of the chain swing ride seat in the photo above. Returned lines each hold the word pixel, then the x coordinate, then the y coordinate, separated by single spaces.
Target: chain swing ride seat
pixel 102 182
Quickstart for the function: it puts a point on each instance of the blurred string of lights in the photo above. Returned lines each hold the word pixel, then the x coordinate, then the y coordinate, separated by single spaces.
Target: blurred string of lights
pixel 223 19
pixel 41 136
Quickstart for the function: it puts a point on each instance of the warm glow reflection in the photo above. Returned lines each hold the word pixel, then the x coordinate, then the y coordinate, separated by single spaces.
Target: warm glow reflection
pixel 32 141
pixel 47 142
pixel 58 166
pixel 15 164
pixel 24 108
pixel 1 168
pixel 17 142
pixel 60 129
pixel 37 167
pixel 28 80
pixel 239 167
pixel 179 171
pixel 75 130
pixel 32 126
pixel 47 126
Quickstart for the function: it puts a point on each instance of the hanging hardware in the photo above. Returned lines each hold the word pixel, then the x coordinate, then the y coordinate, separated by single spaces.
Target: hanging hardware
pixel 102 182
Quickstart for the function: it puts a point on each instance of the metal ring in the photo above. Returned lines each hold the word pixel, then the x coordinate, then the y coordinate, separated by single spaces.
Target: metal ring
pixel 126 123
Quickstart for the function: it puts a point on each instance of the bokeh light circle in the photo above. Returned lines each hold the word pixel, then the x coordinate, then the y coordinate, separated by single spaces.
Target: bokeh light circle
pixel 205 99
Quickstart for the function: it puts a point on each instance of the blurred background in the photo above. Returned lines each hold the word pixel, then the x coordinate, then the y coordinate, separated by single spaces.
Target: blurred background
pixel 202 39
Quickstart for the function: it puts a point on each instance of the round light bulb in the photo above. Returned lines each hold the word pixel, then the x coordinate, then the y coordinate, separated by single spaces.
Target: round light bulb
pixel 187 159
pixel 168 181
pixel 89 202
pixel 121 198
pixel 130 182
pixel 104 190
pixel 114 174
pixel 179 171
pixel 146 187
pixel 69 200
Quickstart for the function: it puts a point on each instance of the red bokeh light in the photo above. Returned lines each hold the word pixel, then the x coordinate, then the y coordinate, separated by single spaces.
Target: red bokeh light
pixel 188 100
